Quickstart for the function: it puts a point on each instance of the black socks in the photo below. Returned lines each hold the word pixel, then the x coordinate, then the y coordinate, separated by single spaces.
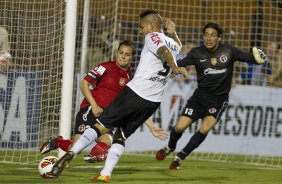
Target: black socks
pixel 174 137
pixel 193 143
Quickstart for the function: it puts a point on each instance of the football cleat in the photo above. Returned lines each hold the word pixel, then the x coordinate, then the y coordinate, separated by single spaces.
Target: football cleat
pixel 61 163
pixel 49 145
pixel 175 164
pixel 163 153
pixel 99 157
pixel 101 179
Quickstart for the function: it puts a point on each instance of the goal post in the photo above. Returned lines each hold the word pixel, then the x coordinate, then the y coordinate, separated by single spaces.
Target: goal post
pixel 68 71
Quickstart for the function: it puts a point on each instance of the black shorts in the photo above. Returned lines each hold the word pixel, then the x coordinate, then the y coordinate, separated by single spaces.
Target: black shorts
pixel 202 104
pixel 127 112
pixel 84 119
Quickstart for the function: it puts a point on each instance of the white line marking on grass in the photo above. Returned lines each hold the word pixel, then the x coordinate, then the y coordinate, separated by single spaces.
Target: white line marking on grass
pixel 123 166
pixel 25 168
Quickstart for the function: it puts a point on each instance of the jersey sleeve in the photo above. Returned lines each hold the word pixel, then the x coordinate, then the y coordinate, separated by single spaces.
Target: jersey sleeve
pixel 239 55
pixel 153 42
pixel 96 74
pixel 187 60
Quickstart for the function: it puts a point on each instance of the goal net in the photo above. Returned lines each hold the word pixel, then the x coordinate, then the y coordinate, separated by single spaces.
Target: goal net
pixel 30 89
pixel 249 131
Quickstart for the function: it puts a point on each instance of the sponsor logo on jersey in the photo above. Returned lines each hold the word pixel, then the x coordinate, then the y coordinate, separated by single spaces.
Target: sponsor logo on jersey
pixel 171 46
pixel 202 60
pixel 100 70
pixel 121 81
pixel 155 38
pixel 92 75
pixel 214 71
pixel 213 61
pixel 212 110
pixel 223 58
pixel 81 128
pixel 158 79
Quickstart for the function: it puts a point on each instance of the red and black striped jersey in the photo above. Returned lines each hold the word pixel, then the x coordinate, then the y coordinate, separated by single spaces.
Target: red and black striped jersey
pixel 109 79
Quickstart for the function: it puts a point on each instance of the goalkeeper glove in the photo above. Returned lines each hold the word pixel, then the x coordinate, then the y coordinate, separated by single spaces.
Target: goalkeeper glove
pixel 260 56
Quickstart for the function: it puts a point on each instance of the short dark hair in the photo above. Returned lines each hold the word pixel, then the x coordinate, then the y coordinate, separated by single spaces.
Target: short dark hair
pixel 215 26
pixel 148 12
pixel 129 44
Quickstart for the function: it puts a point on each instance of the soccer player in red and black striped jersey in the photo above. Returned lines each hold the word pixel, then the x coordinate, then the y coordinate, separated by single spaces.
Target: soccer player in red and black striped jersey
pixel 99 87
pixel 214 65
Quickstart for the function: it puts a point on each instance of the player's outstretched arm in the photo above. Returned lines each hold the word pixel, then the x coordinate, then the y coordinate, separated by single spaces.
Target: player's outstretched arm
pixel 156 131
pixel 260 56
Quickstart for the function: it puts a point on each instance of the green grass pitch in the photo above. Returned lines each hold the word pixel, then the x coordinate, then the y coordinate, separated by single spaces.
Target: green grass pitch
pixel 133 169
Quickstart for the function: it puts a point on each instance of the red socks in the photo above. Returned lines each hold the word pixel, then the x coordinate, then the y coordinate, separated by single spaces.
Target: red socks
pixel 63 144
pixel 99 148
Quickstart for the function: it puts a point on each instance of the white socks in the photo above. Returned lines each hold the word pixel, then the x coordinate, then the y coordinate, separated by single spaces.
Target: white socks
pixel 85 140
pixel 114 154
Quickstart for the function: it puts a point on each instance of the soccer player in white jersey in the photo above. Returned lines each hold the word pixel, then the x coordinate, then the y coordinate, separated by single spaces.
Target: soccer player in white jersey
pixel 139 99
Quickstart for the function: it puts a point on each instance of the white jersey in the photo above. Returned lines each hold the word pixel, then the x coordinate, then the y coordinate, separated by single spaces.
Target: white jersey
pixel 152 73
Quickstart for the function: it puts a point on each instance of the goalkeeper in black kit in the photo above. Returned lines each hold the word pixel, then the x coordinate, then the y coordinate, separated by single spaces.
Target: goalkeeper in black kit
pixel 214 66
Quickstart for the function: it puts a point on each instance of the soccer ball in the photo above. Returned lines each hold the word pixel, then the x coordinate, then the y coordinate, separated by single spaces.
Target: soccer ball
pixel 45 166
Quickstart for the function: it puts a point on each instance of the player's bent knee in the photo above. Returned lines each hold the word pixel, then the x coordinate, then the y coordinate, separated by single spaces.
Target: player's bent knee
pixel 179 129
pixel 106 138
pixel 101 129
pixel 182 124
pixel 205 128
